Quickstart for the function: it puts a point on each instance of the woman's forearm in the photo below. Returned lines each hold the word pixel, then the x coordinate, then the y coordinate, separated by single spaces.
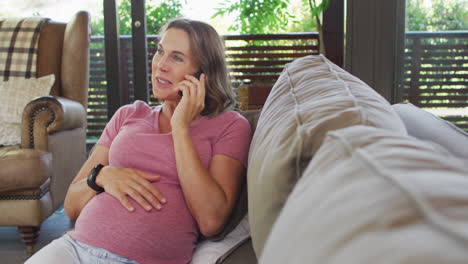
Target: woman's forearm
pixel 79 193
pixel 78 196
pixel 205 198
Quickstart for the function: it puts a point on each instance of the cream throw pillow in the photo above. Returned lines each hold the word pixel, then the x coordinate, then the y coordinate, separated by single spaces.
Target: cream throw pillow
pixel 426 126
pixel 311 97
pixel 210 252
pixel 371 196
pixel 14 96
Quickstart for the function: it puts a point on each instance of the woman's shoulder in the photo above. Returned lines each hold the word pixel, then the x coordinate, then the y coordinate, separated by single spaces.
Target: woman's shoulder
pixel 142 106
pixel 231 120
pixel 136 108
pixel 231 126
pixel 229 117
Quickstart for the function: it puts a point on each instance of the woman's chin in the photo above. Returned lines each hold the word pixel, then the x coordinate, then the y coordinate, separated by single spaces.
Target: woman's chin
pixel 166 95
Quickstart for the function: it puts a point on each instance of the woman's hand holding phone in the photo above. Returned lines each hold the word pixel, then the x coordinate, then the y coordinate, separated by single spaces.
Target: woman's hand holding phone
pixel 196 75
pixel 191 103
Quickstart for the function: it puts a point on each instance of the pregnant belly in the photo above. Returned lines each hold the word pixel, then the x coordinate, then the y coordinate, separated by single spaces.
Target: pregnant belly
pixel 169 233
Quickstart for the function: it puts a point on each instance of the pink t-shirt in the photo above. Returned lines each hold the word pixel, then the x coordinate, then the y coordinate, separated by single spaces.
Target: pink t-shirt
pixel 134 141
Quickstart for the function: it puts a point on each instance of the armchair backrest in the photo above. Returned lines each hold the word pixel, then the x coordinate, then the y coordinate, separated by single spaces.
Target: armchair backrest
pixel 64 51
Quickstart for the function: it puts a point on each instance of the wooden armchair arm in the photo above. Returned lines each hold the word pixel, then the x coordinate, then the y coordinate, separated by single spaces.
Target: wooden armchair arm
pixel 47 115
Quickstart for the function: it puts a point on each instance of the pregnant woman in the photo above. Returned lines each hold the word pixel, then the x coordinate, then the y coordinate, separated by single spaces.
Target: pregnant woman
pixel 161 175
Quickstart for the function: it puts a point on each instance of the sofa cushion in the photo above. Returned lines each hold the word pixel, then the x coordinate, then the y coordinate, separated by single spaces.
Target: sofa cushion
pixel 370 195
pixel 23 168
pixel 424 125
pixel 244 254
pixel 208 251
pixel 15 95
pixel 311 96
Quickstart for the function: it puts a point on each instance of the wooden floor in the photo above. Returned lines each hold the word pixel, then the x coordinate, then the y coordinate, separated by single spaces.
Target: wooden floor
pixel 12 251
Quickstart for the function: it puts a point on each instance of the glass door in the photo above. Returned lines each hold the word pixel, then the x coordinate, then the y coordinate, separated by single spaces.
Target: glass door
pixel 436 58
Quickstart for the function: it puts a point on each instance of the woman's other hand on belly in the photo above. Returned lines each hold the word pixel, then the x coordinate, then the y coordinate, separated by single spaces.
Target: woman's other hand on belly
pixel 123 182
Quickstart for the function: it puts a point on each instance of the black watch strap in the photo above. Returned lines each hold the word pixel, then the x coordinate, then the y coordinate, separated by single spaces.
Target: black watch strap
pixel 92 179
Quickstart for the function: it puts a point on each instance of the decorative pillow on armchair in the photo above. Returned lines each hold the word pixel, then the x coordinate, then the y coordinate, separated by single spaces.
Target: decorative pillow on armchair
pixel 14 96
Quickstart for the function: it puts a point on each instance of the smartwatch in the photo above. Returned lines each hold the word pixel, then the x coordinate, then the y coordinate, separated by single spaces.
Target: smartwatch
pixel 92 179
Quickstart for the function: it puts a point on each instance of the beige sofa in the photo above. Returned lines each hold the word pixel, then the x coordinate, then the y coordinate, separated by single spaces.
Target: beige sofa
pixel 338 175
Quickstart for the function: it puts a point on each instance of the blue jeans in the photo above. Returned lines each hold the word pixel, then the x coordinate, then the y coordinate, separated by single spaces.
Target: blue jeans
pixel 65 250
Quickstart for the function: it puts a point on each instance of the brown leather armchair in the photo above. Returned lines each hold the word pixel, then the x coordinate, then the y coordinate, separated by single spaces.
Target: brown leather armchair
pixel 35 175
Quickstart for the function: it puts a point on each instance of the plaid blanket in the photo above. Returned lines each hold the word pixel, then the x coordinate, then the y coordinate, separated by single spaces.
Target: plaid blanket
pixel 19 38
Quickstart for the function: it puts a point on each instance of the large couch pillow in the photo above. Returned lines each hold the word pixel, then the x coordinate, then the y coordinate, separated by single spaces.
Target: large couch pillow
pixel 372 196
pixel 15 94
pixel 426 126
pixel 311 96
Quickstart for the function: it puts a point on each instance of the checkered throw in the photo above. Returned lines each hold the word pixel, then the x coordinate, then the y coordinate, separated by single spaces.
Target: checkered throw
pixel 19 39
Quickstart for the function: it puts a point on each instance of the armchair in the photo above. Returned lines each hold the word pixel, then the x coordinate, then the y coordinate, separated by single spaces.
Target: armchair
pixel 35 175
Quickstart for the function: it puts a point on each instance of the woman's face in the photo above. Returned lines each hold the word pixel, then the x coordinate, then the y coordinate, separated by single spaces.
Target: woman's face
pixel 172 61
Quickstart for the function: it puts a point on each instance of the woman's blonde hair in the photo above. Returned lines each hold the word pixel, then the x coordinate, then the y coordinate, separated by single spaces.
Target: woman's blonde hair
pixel 208 51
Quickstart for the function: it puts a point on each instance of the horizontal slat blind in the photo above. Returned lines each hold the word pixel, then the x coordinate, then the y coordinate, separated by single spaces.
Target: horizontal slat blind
pixel 436 72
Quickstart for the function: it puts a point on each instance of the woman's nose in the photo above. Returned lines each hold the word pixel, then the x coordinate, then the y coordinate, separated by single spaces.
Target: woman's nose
pixel 162 62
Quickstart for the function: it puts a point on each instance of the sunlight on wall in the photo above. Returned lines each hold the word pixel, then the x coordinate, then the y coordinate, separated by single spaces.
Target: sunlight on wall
pixel 59 10
pixel 62 10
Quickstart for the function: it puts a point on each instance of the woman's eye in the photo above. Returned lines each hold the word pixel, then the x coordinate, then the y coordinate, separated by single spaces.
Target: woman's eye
pixel 159 51
pixel 178 58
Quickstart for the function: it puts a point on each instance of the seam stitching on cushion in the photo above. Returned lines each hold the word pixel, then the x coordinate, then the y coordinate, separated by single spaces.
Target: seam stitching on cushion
pixel 33 119
pixel 343 140
pixel 435 219
pixel 362 114
pixel 298 123
pixel 335 73
pixel 25 197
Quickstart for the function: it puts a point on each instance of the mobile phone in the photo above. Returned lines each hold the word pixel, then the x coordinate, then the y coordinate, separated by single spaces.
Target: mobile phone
pixel 197 75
